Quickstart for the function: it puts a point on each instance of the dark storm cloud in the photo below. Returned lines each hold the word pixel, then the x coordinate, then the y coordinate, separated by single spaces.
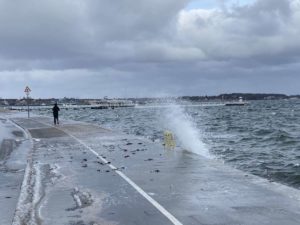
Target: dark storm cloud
pixel 83 32
pixel 126 48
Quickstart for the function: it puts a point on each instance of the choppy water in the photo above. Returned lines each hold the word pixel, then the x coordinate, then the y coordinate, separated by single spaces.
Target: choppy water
pixel 262 138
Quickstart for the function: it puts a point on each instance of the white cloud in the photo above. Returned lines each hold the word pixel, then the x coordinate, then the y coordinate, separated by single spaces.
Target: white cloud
pixel 266 28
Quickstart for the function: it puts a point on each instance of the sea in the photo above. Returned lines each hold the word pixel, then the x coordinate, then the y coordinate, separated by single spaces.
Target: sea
pixel 262 138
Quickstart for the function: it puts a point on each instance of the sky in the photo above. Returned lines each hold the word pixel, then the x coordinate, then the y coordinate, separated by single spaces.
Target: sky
pixel 97 48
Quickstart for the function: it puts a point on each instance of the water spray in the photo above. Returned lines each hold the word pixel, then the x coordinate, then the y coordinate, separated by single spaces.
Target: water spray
pixel 185 131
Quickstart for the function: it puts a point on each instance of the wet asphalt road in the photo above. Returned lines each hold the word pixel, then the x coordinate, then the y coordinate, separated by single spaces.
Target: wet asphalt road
pixel 82 174
pixel 14 147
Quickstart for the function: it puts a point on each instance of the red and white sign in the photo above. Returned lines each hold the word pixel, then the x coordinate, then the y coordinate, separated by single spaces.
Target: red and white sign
pixel 27 90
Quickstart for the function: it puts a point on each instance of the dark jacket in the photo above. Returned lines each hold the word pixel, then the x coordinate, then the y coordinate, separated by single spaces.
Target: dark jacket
pixel 55 110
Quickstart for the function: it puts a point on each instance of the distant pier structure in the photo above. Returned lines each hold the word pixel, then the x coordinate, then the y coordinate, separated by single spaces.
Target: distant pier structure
pixel 93 104
pixel 111 104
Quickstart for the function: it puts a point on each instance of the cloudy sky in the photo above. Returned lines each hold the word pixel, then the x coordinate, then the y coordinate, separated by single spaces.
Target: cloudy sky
pixel 126 48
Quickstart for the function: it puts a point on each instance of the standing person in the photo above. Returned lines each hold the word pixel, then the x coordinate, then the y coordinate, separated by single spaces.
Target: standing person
pixel 55 110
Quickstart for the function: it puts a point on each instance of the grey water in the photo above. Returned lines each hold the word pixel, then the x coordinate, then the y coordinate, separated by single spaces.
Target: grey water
pixel 262 138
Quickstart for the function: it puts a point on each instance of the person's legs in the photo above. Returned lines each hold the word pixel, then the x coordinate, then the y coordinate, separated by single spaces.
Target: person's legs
pixel 56 120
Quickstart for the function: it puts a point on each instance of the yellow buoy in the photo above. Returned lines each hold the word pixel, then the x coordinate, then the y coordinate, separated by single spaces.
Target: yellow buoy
pixel 169 140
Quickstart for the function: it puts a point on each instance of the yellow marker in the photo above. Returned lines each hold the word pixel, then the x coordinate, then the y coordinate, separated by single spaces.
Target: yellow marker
pixel 169 140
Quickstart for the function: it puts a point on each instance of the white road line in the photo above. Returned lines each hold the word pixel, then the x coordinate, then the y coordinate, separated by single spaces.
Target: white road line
pixel 127 179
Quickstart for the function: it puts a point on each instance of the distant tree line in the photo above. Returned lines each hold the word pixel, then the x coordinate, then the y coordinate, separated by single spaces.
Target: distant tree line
pixel 222 97
pixel 236 96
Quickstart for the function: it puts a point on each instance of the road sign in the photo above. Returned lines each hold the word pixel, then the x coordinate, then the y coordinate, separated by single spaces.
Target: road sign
pixel 27 90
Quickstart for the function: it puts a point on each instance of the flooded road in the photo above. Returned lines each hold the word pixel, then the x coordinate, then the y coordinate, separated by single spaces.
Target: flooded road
pixel 82 174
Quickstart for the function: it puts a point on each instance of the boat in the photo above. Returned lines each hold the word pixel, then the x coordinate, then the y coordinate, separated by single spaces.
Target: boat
pixel 241 102
pixel 111 104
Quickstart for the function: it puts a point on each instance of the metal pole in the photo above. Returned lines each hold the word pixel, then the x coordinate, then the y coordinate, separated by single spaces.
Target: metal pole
pixel 28 105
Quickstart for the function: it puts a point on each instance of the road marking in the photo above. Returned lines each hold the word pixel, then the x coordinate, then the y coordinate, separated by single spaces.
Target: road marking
pixel 127 179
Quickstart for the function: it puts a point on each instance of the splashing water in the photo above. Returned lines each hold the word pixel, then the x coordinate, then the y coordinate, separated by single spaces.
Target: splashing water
pixel 181 124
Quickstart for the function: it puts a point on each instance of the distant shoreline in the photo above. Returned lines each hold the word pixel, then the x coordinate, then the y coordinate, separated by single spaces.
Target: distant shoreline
pixel 89 101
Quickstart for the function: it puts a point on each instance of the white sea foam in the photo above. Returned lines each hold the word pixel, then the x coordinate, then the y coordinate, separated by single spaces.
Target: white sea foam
pixel 181 124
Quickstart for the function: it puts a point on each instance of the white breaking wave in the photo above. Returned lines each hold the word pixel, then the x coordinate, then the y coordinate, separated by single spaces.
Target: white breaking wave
pixel 181 124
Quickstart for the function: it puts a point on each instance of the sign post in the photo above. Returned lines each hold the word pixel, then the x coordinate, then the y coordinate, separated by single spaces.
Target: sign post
pixel 27 91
